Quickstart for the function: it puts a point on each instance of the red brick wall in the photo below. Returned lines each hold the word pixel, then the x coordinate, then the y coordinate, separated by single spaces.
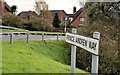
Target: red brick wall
pixel 4 10
pixel 61 15
pixel 23 18
pixel 76 22
pixel 32 13
pixel 3 6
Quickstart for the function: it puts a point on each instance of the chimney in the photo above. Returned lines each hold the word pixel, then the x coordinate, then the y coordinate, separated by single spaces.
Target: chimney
pixel 74 9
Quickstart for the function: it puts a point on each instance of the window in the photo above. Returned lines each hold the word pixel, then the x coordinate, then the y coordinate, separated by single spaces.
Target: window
pixel 81 19
pixel 80 25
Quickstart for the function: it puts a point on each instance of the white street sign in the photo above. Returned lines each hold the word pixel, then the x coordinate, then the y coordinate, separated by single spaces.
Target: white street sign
pixel 89 44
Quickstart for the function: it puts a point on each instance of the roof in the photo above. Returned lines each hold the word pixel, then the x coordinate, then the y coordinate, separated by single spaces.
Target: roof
pixel 58 11
pixel 52 12
pixel 76 14
pixel 25 13
pixel 71 15
pixel 7 6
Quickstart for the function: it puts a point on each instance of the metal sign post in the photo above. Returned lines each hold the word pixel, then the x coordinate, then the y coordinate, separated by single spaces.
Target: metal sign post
pixel 95 58
pixel 73 55
pixel 89 44
pixel 11 38
pixel 57 36
pixel 27 37
pixel 42 37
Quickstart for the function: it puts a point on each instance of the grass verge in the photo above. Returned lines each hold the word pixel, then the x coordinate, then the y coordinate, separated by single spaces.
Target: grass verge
pixel 30 31
pixel 36 57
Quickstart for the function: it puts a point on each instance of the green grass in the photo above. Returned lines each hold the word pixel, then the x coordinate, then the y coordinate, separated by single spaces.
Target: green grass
pixel 30 31
pixel 36 57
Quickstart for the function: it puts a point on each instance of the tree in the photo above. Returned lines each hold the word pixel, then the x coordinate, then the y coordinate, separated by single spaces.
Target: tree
pixel 119 36
pixel 102 17
pixel 13 8
pixel 56 20
pixel 97 10
pixel 82 3
pixel 69 24
pixel 42 9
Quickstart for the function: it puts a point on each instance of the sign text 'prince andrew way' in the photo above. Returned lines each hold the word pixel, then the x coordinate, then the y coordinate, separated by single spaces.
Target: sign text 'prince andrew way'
pixel 89 44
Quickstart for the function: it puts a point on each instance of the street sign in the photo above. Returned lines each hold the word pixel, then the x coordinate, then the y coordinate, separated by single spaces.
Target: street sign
pixel 89 44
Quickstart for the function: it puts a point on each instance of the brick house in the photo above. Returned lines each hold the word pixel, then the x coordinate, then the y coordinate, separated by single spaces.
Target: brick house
pixel 27 15
pixel 77 18
pixel 61 14
pixel 4 8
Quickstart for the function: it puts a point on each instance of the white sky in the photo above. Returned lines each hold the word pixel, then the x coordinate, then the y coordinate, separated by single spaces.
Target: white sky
pixel 26 5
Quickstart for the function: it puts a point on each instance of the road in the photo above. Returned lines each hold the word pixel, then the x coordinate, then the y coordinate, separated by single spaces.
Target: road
pixel 31 37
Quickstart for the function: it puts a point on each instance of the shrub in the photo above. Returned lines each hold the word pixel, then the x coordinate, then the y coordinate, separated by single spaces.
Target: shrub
pixel 103 18
pixel 11 20
pixel 38 24
pixel 108 52
pixel 68 25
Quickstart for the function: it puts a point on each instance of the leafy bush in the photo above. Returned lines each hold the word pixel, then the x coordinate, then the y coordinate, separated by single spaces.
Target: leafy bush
pixel 108 52
pixel 38 24
pixel 107 23
pixel 11 20
pixel 68 25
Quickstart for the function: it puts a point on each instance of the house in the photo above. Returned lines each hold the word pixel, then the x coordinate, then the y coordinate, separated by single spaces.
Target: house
pixel 27 15
pixel 77 18
pixel 61 14
pixel 4 8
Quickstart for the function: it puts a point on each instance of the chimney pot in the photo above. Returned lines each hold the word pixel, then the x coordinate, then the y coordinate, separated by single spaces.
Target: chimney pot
pixel 74 9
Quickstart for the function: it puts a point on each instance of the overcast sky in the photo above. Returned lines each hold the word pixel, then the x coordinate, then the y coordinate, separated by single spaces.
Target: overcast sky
pixel 26 5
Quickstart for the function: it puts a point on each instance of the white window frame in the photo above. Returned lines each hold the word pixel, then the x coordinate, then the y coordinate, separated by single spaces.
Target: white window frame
pixel 82 19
